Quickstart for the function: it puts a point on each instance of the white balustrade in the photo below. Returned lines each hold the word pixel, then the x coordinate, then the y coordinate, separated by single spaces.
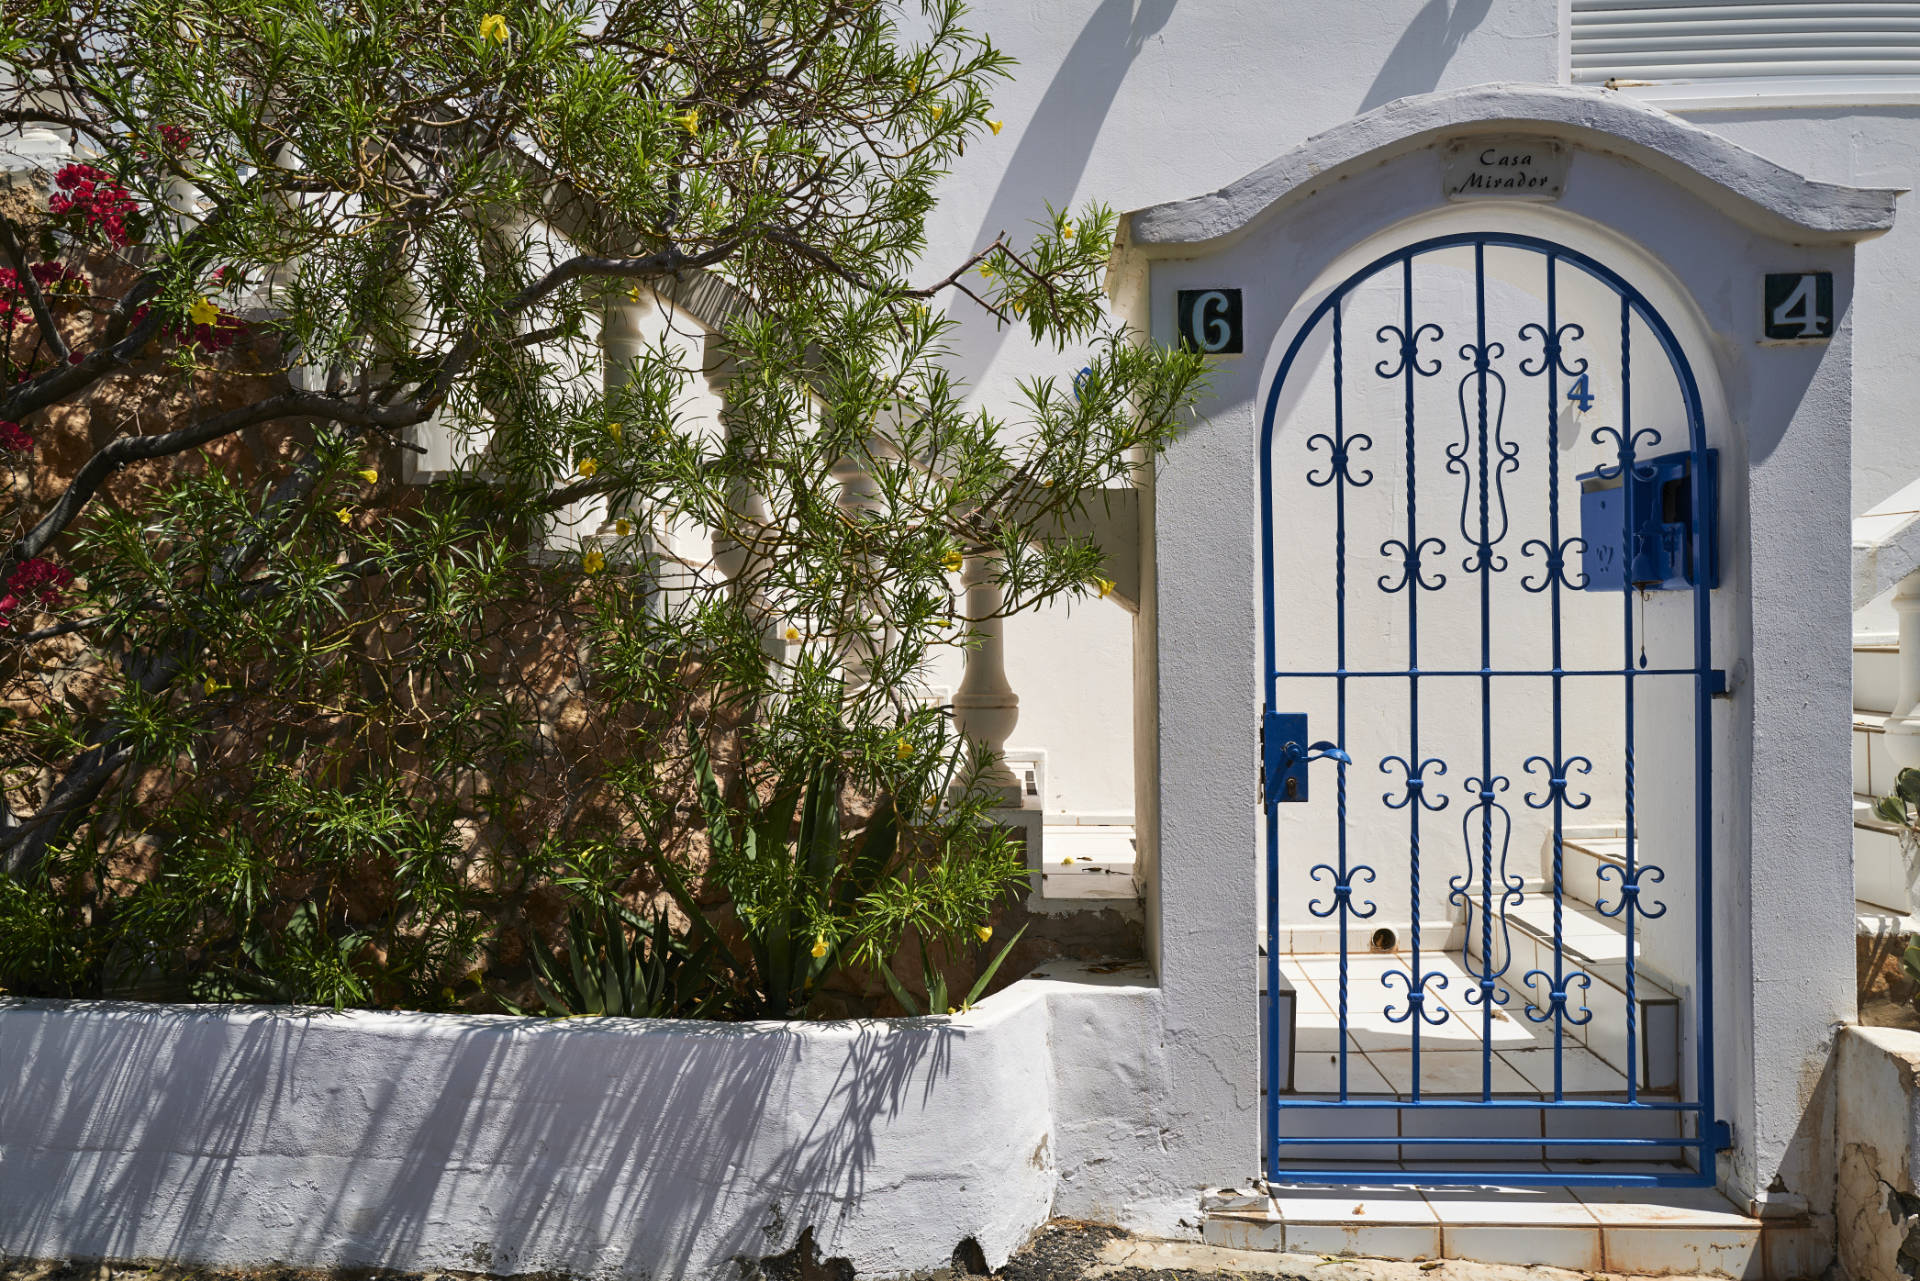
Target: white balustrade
pixel 1903 724
pixel 985 708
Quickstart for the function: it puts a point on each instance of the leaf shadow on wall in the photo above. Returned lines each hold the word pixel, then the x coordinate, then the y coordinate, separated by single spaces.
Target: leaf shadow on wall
pixel 1419 58
pixel 211 1135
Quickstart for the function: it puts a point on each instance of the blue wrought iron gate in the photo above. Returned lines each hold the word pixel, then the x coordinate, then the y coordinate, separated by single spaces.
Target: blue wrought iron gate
pixel 1564 634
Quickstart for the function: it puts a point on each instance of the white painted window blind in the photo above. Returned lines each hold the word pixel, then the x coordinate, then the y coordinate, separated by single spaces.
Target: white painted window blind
pixel 1635 41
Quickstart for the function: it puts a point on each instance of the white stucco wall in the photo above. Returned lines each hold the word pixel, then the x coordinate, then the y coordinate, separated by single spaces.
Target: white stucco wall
pixel 607 1148
pixel 1875 146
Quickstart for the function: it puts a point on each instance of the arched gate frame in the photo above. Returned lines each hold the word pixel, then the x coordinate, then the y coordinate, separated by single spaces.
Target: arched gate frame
pixel 1483 455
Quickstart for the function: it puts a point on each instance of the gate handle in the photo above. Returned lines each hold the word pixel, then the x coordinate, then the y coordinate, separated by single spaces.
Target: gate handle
pixel 1284 771
pixel 1322 750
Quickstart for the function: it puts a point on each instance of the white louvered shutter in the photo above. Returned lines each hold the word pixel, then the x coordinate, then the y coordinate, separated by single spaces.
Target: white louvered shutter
pixel 1699 40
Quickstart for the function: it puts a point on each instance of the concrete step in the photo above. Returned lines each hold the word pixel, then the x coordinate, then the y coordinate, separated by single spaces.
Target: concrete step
pixel 1613 1230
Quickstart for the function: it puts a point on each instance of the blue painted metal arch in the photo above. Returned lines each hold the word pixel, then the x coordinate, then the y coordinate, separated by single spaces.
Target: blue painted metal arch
pixel 1707 1135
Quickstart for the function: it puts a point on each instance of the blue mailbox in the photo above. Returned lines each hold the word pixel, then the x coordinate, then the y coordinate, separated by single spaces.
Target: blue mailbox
pixel 1638 529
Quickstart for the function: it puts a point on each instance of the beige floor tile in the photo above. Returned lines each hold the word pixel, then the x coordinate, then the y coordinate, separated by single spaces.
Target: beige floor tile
pixel 1555 1247
pixel 1582 1071
pixel 1335 1204
pixel 1509 1207
pixel 1729 1252
pixel 1318 1072
pixel 1448 1072
pixel 1662 1207
pixel 1368 1240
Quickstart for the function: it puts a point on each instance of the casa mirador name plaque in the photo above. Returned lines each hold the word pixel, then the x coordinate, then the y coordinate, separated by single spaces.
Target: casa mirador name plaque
pixel 1513 168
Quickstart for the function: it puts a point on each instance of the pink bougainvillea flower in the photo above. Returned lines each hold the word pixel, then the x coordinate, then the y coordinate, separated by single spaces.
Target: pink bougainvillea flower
pixel 14 438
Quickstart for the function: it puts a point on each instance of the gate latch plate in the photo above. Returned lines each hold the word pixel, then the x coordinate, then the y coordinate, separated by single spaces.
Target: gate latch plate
pixel 1285 754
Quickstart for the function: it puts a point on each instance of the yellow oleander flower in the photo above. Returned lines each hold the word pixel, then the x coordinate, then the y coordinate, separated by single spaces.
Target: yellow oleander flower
pixel 902 748
pixel 345 515
pixel 669 48
pixel 633 294
pixel 213 687
pixel 984 931
pixel 689 120
pixel 203 312
pixel 986 270
pixel 594 561
pixel 1019 309
pixel 793 633
pixel 1066 232
pixel 952 561
pixel 996 126
pixel 588 467
pixel 913 84
pixel 937 110
pixel 819 948
pixel 369 475
pixel 1105 585
pixel 493 29
pixel 623 527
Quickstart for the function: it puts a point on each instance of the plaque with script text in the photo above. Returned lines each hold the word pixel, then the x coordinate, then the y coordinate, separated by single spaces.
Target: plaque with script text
pixel 1509 168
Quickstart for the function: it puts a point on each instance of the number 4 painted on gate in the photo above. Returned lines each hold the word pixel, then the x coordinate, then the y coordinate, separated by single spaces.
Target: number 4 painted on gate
pixel 1581 394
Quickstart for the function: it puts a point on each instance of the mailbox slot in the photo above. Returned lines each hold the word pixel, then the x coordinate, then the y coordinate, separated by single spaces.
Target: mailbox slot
pixel 1637 529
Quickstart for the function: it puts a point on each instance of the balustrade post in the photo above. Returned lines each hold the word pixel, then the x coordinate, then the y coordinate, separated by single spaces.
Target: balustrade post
pixel 985 708
pixel 1903 724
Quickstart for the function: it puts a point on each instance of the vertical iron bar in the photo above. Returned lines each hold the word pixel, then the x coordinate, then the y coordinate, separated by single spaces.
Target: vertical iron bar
pixel 1486 682
pixel 1343 901
pixel 1415 805
pixel 1703 533
pixel 1559 747
pixel 1628 881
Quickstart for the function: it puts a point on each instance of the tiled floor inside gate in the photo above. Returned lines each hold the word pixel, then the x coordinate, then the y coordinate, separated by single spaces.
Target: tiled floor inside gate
pixel 1380 1050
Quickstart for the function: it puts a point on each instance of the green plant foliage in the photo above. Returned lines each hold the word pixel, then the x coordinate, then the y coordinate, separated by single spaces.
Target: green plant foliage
pixel 933 979
pixel 618 964
pixel 1901 806
pixel 360 611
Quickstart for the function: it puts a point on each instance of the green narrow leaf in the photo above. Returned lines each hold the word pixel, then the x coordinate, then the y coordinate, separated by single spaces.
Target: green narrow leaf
pixel 900 992
pixel 986 975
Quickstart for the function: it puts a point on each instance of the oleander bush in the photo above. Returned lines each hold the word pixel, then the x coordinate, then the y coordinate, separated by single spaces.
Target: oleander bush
pixel 282 720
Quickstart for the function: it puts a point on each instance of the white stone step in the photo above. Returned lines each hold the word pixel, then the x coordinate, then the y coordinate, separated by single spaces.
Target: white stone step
pixel 1596 945
pixel 1086 862
pixel 1880 860
pixel 1876 676
pixel 1874 769
pixel 1653 1231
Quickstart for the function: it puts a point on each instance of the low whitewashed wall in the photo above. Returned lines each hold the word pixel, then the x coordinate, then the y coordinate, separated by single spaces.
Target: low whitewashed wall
pixel 1878 1121
pixel 611 1148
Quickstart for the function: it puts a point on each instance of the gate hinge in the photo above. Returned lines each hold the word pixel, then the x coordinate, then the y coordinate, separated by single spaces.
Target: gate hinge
pixel 1269 748
pixel 1719 1135
pixel 1717 682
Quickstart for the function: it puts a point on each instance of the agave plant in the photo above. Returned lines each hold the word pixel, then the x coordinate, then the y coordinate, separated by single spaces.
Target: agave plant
pixel 621 965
